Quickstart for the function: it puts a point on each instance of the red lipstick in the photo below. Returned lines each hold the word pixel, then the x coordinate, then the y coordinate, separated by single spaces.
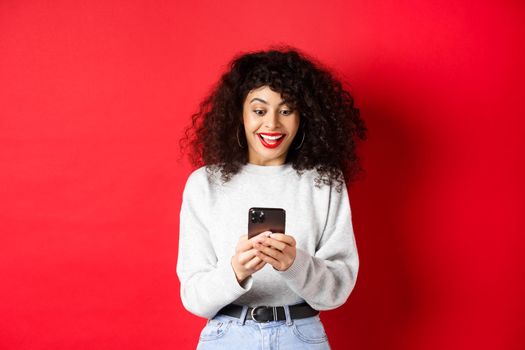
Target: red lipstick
pixel 275 142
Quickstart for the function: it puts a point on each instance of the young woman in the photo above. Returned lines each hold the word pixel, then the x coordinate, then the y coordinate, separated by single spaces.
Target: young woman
pixel 277 131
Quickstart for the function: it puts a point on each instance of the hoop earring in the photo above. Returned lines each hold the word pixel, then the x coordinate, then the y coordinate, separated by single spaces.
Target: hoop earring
pixel 302 141
pixel 239 141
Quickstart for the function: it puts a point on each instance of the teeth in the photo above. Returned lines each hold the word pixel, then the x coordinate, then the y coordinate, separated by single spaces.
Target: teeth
pixel 271 137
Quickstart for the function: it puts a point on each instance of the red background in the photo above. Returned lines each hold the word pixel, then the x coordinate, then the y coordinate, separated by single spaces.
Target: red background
pixel 93 99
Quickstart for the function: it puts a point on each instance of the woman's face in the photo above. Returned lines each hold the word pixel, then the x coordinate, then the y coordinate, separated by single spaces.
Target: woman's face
pixel 270 126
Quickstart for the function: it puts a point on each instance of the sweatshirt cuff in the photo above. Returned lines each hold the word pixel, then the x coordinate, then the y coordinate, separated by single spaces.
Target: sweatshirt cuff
pixel 230 279
pixel 298 267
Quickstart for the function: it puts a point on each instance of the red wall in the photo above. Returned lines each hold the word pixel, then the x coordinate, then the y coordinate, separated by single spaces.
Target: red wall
pixel 93 99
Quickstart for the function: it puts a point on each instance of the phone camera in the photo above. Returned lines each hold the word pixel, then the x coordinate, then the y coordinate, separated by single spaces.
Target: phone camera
pixel 256 216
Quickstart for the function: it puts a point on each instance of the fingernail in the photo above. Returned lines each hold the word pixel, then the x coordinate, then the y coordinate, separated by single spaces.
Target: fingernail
pixel 268 233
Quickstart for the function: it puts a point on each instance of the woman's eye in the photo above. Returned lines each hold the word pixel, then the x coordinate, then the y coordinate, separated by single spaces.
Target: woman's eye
pixel 259 112
pixel 286 112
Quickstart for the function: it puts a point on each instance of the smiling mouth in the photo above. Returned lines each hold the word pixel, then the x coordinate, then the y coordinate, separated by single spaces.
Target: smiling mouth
pixel 271 140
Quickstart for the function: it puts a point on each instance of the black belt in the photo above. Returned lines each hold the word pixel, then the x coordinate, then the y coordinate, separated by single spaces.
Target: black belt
pixel 269 313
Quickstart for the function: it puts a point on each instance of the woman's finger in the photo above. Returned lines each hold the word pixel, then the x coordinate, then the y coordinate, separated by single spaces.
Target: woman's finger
pixel 268 259
pixel 260 237
pixel 246 256
pixel 288 239
pixel 259 266
pixel 274 253
pixel 270 242
pixel 244 244
pixel 252 264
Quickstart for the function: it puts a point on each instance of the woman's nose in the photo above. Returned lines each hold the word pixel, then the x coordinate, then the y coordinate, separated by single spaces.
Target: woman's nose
pixel 272 120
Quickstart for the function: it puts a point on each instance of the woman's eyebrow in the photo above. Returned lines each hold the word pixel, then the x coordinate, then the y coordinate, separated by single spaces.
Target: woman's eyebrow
pixel 263 101
pixel 258 99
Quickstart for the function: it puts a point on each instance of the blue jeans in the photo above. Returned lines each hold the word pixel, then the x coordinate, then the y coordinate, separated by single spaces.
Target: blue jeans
pixel 226 332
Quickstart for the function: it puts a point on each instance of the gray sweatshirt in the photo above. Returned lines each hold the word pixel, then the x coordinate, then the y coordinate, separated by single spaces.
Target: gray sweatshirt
pixel 214 215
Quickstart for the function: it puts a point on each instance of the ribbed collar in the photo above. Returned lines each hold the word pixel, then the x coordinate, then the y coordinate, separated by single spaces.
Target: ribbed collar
pixel 267 169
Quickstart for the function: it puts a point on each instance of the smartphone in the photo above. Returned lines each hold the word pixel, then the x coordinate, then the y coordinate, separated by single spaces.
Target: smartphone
pixel 266 219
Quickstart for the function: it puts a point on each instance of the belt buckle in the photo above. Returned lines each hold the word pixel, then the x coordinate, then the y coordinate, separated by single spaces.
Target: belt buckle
pixel 274 309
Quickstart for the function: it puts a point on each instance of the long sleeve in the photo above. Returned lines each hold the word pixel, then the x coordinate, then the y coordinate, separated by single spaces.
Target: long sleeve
pixel 326 279
pixel 207 283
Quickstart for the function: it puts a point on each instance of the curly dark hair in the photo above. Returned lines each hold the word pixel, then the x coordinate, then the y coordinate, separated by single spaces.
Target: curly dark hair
pixel 328 118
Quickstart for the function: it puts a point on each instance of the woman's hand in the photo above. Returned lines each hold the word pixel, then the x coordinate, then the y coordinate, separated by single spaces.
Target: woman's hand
pixel 276 249
pixel 245 262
